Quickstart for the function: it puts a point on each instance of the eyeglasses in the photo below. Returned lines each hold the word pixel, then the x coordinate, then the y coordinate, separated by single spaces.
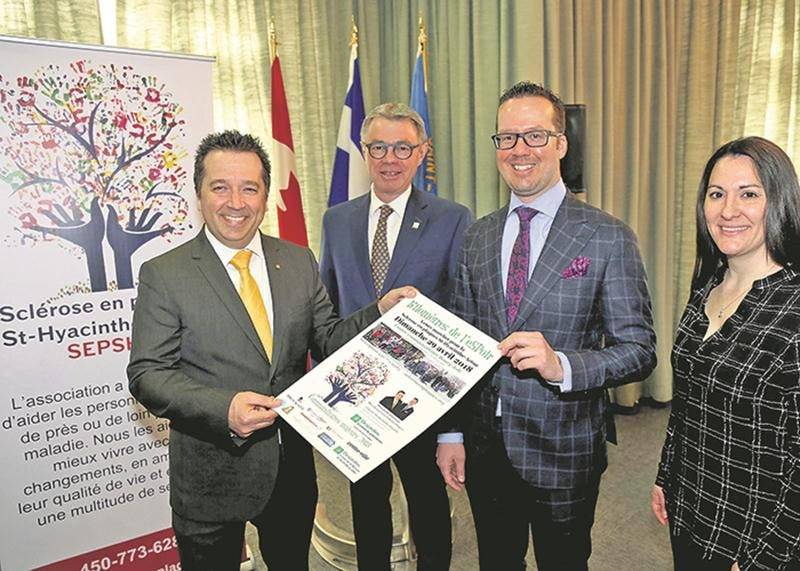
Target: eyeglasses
pixel 401 150
pixel 537 138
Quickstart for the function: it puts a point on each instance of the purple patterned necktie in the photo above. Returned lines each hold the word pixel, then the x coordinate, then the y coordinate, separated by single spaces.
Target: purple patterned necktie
pixel 517 279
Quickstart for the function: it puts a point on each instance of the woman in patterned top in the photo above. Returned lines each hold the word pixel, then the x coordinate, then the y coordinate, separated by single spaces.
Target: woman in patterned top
pixel 729 479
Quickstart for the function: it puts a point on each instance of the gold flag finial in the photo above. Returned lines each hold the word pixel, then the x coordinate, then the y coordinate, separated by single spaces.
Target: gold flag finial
pixel 273 39
pixel 423 37
pixel 354 33
pixel 423 50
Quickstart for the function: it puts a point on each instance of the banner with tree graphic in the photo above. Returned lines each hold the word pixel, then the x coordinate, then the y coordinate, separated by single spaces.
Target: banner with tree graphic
pixel 96 153
pixel 93 158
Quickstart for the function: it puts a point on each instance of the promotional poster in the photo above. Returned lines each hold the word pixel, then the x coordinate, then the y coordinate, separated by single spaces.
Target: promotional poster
pixel 387 385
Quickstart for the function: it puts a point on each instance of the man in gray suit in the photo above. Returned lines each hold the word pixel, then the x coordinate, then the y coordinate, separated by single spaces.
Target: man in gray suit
pixel 563 285
pixel 205 356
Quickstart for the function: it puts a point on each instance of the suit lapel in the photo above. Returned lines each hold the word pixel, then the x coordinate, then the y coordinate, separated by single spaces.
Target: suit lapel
pixel 281 289
pixel 359 239
pixel 568 235
pixel 413 225
pixel 494 247
pixel 211 267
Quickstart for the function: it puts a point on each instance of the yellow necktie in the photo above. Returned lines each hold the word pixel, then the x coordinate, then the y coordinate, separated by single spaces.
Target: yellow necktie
pixel 253 302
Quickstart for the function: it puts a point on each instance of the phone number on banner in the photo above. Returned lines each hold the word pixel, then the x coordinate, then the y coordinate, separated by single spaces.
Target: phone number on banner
pixel 130 555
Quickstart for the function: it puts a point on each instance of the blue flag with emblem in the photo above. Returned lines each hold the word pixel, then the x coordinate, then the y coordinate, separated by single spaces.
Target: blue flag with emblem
pixel 425 178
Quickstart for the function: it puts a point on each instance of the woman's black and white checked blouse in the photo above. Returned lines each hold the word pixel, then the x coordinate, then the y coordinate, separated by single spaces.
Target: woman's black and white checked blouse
pixel 730 467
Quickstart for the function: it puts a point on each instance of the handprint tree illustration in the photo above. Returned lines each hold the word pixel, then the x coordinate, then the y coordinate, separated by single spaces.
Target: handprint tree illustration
pixel 91 155
pixel 355 379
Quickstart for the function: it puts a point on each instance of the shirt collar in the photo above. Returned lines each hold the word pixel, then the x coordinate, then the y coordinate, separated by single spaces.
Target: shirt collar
pixel 546 203
pixel 786 274
pixel 226 253
pixel 398 204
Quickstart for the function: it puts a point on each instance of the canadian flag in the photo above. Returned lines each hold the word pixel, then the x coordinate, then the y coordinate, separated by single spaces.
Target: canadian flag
pixel 285 187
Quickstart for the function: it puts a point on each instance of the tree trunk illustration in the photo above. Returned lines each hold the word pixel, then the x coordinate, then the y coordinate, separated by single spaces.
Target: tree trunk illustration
pixel 342 396
pixel 125 241
pixel 70 226
pixel 337 388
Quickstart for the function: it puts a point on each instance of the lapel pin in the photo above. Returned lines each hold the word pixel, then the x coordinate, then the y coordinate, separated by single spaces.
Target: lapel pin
pixel 277 266
pixel 415 225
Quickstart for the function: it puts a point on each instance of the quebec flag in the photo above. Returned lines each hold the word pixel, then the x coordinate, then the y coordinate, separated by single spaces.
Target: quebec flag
pixel 350 178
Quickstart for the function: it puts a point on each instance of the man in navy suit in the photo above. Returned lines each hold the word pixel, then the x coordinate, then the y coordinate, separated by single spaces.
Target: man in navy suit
pixel 395 234
pixel 563 285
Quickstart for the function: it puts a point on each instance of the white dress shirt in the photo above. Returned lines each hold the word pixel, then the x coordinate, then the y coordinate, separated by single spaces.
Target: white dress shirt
pixel 394 221
pixel 258 268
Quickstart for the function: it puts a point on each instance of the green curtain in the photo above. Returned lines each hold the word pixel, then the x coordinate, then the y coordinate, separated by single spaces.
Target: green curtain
pixel 312 45
pixel 739 76
pixel 643 68
pixel 664 83
pixel 611 56
pixel 68 20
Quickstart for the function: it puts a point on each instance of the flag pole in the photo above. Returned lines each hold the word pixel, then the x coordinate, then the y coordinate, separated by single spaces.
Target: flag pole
pixel 353 32
pixel 423 50
pixel 273 39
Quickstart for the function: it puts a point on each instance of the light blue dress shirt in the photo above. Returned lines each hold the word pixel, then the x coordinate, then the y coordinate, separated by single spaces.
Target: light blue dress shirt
pixel 547 204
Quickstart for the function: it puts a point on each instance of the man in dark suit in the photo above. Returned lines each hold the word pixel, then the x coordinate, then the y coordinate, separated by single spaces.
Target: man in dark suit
pixel 563 285
pixel 395 403
pixel 205 357
pixel 407 409
pixel 395 234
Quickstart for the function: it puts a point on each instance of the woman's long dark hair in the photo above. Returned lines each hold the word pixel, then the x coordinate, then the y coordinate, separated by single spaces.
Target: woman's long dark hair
pixel 779 180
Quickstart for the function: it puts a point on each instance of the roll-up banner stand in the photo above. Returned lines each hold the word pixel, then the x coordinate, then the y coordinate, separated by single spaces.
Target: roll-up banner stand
pixel 96 148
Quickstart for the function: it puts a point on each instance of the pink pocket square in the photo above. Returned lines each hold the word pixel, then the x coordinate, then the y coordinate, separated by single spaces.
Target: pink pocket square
pixel 577 268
